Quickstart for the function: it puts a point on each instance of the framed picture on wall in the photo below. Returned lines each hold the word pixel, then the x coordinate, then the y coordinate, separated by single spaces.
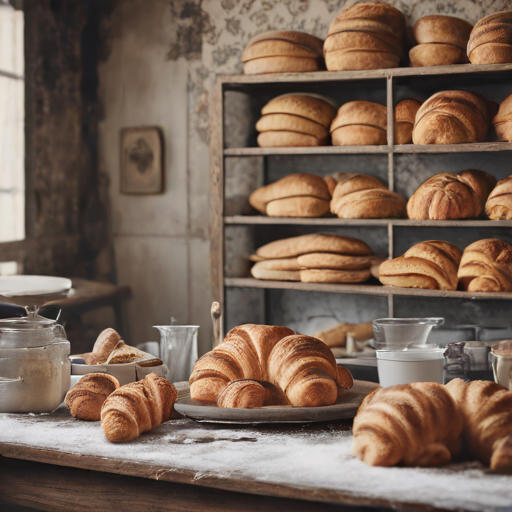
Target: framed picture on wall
pixel 141 160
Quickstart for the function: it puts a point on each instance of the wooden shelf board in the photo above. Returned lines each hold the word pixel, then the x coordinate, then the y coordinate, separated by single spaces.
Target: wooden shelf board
pixel 474 147
pixel 360 289
pixel 322 221
pixel 333 76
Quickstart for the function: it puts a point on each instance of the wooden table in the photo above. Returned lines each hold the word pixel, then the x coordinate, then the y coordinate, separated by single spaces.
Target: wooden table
pixel 54 462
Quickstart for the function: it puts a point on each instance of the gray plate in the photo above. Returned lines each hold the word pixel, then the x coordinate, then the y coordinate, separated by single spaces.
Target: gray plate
pixel 346 407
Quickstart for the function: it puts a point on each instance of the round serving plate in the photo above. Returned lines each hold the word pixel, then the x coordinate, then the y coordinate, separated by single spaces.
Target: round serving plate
pixel 345 408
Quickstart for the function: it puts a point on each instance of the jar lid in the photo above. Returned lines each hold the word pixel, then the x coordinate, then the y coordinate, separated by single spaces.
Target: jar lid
pixel 28 332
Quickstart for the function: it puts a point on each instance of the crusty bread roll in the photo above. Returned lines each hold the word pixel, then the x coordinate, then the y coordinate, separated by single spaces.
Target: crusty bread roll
pixel 319 260
pixel 442 29
pixel 283 139
pixel 502 121
pixel 486 266
pixel 405 114
pixel 365 36
pixel 451 196
pixel 292 123
pixel 259 271
pixel 302 367
pixel 486 408
pixel 431 265
pixel 436 54
pixel 324 275
pixel 452 117
pixel 499 203
pixel 358 196
pixel 305 244
pixel 415 424
pixel 295 195
pixel 105 345
pixel 85 399
pixel 283 51
pixel 490 41
pixel 359 135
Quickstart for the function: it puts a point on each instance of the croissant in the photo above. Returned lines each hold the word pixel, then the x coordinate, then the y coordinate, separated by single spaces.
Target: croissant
pixel 451 196
pixel 430 265
pixel 487 411
pixel 486 266
pixel 250 394
pixel 85 399
pixel 303 367
pixel 499 203
pixel 413 424
pixel 104 346
pixel 137 407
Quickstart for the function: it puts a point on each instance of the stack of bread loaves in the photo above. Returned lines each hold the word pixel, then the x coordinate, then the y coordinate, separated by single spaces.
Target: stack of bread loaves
pixel 365 36
pixel 502 121
pixel 359 196
pixel 451 196
pixel 441 40
pixel 296 195
pixel 499 204
pixel 405 114
pixel 283 51
pixel 432 265
pixel 295 120
pixel 486 266
pixel 453 117
pixel 360 123
pixel 490 41
pixel 317 258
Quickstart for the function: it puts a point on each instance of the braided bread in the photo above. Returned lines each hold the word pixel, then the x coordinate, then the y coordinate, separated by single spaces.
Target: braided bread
pixel 137 407
pixel 302 367
pixel 413 424
pixel 487 411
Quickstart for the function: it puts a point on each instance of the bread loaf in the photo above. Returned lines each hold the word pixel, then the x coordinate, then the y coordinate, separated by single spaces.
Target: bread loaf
pixel 502 122
pixel 295 195
pixel 283 51
pixel 452 117
pixel 358 196
pixel 365 36
pixel 359 135
pixel 451 196
pixel 442 29
pixel 490 41
pixel 283 138
pixel 85 399
pixel 499 203
pixel 486 266
pixel 337 336
pixel 292 123
pixel 334 276
pixel 250 394
pixel 412 425
pixel 258 271
pixel 486 408
pixel 431 265
pixel 105 345
pixel 137 407
pixel 300 366
pixel 436 54
pixel 305 244
pixel 332 261
pixel 405 114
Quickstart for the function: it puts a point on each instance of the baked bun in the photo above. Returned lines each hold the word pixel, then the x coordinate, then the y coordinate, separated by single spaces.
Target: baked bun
pixel 499 203
pixel 296 195
pixel 490 41
pixel 436 54
pixel 360 123
pixel 502 121
pixel 486 266
pixel 283 51
pixel 104 346
pixel 365 36
pixel 430 265
pixel 405 114
pixel 451 196
pixel 452 117
pixel 358 196
pixel 295 120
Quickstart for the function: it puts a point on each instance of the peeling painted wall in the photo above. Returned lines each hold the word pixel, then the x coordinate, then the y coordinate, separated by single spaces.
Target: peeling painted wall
pixel 159 60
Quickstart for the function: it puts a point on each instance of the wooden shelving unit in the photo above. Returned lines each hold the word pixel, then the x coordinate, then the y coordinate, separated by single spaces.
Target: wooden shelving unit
pixel 262 84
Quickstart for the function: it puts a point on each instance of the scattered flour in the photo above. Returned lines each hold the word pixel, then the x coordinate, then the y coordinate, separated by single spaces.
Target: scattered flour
pixel 297 456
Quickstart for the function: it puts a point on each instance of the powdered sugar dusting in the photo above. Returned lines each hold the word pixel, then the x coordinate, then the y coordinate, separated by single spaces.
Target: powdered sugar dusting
pixel 302 456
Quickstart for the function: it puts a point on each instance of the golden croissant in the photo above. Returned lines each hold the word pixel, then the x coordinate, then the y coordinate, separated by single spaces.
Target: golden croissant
pixel 487 411
pixel 412 424
pixel 137 407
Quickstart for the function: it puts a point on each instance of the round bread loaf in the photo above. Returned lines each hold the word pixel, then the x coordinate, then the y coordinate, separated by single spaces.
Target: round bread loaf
pixel 291 123
pixel 436 54
pixel 442 29
pixel 490 41
pixel 280 64
pixel 358 135
pixel 283 139
pixel 277 48
pixel 258 271
pixel 352 40
pixel 346 60
pixel 319 260
pixel 370 204
pixel 360 112
pixel 300 206
pixel 280 264
pixel 298 39
pixel 334 276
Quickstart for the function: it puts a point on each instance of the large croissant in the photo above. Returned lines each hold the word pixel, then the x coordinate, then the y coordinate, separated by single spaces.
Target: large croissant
pixel 137 407
pixel 303 367
pixel 487 411
pixel 412 424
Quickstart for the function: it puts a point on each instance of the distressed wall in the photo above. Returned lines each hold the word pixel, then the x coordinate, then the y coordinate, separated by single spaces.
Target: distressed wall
pixel 158 62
